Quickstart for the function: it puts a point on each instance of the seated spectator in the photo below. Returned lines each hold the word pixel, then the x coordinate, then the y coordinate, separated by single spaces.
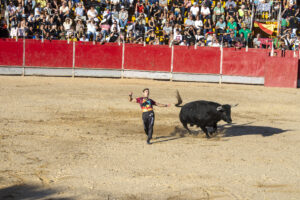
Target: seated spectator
pixel 83 39
pixel 92 14
pixel 151 36
pixel 232 26
pixel 186 7
pixel 64 11
pixel 240 41
pixel 200 39
pixel 194 10
pixel 105 27
pixel 230 3
pixel 167 32
pixel 231 13
pixel 198 23
pixel 68 24
pixel 218 13
pixel 207 26
pixel 115 25
pixel 256 41
pixel 229 39
pixel 91 29
pixel 79 12
pixel 189 22
pixel 114 36
pixel 177 38
pixel 220 27
pixel 205 12
pixel 246 32
pixel 123 17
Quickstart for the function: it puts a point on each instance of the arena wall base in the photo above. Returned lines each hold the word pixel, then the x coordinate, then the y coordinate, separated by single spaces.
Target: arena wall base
pixel 243 80
pixel 147 74
pixel 48 71
pixel 214 78
pixel 11 70
pixel 98 73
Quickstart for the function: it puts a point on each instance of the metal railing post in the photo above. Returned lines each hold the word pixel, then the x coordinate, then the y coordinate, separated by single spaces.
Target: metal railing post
pixel 23 64
pixel 73 62
pixel 172 62
pixel 221 65
pixel 123 60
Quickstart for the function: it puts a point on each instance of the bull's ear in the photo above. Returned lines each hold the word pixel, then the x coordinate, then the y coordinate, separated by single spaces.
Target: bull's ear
pixel 234 105
pixel 219 108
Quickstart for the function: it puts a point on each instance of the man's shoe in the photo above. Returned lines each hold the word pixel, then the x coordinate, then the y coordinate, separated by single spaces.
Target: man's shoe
pixel 148 141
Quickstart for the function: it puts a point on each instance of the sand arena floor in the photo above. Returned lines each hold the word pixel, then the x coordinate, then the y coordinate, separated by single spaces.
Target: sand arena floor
pixel 65 138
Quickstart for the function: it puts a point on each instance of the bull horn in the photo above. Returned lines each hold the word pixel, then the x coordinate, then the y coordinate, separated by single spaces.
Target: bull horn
pixel 234 105
pixel 219 108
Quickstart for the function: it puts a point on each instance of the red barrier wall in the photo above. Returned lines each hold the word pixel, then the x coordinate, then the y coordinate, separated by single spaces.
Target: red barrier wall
pixel 11 52
pixel 48 54
pixel 205 60
pixel 241 63
pixel 281 72
pixel 149 58
pixel 88 55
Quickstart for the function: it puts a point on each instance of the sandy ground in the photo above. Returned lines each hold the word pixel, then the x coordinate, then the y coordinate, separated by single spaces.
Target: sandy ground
pixel 65 138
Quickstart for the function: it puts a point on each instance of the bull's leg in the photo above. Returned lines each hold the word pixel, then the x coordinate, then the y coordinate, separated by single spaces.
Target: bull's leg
pixel 204 129
pixel 186 127
pixel 214 130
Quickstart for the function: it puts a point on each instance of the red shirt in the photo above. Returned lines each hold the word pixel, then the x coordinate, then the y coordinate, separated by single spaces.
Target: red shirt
pixel 146 104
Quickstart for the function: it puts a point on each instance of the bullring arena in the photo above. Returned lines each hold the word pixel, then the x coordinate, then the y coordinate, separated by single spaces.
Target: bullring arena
pixel 80 138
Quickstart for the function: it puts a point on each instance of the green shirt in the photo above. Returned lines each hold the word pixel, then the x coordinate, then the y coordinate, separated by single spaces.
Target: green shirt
pixel 245 32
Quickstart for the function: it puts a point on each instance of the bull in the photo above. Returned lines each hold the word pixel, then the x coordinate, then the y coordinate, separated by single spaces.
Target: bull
pixel 203 114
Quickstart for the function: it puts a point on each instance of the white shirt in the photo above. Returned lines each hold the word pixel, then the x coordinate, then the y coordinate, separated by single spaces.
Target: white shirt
pixel 195 10
pixel 64 9
pixel 198 24
pixel 205 11
pixel 91 28
pixel 92 14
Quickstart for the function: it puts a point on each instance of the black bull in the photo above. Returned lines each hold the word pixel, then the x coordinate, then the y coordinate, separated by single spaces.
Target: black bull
pixel 203 114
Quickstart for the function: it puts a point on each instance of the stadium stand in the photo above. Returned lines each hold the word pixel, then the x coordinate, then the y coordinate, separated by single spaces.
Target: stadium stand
pixel 231 23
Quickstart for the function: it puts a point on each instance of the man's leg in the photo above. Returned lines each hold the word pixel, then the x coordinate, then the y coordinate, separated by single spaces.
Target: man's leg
pixel 150 126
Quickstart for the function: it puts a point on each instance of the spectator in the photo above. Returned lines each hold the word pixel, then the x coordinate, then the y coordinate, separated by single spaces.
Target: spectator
pixel 218 13
pixel 92 14
pixel 79 12
pixel 246 32
pixel 123 17
pixel 114 36
pixel 198 23
pixel 91 29
pixel 256 41
pixel 220 27
pixel 230 3
pixel 195 10
pixel 205 12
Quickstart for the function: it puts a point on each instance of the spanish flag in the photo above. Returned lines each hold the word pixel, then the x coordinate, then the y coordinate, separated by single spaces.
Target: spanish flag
pixel 267 28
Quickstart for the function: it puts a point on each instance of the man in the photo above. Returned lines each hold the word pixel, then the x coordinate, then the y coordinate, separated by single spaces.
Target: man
pixel 148 115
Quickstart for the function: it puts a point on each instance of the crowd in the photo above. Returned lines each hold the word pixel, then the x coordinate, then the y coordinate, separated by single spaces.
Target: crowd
pixel 180 22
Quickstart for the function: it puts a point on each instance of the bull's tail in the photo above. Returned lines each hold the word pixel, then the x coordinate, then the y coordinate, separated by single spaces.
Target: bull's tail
pixel 179 100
